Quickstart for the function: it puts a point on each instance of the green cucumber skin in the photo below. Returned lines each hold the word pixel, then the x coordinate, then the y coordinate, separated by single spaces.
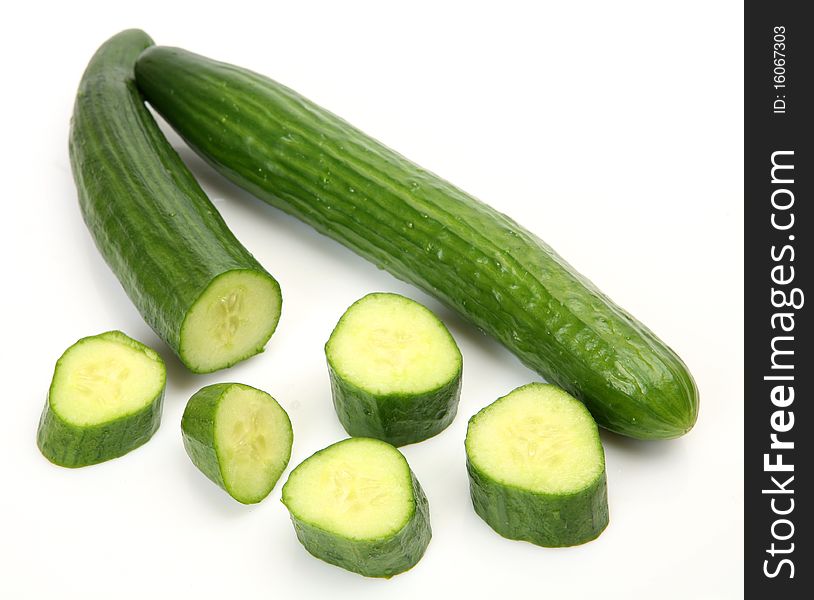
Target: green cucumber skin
pixel 398 419
pixel 383 557
pixel 198 433
pixel 70 446
pixel 198 430
pixel 546 520
pixel 73 446
pixel 149 218
pixel 310 163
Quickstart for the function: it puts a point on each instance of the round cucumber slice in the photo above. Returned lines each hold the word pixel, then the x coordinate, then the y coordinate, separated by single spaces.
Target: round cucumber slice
pixel 356 504
pixel 231 320
pixel 105 400
pixel 239 437
pixel 537 468
pixel 395 370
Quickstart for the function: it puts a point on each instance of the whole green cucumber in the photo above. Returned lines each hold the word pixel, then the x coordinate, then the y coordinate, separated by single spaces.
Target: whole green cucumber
pixel 422 229
pixel 191 279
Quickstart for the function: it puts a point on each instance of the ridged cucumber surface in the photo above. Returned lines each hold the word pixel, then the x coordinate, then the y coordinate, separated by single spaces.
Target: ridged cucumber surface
pixel 395 370
pixel 105 400
pixel 357 505
pixel 191 279
pixel 504 279
pixel 537 468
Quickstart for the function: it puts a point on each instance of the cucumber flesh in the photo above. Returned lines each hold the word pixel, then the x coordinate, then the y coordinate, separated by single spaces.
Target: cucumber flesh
pixel 105 400
pixel 536 440
pixel 102 379
pixel 230 320
pixel 537 467
pixel 253 437
pixel 389 344
pixel 395 370
pixel 357 504
pixel 239 437
pixel 355 490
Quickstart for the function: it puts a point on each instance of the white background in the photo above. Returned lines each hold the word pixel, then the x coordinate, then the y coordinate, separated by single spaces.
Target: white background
pixel 611 129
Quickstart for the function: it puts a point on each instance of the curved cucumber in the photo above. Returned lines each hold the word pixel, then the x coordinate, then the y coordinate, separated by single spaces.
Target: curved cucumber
pixel 193 282
pixel 310 163
pixel 105 400
pixel 356 504
pixel 395 370
pixel 239 437
pixel 537 468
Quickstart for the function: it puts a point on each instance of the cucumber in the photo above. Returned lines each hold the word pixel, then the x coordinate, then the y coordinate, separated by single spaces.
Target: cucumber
pixel 308 162
pixel 193 282
pixel 537 468
pixel 395 370
pixel 239 437
pixel 105 400
pixel 356 504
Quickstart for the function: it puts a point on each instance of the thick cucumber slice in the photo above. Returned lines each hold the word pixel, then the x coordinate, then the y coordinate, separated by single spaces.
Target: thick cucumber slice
pixel 201 291
pixel 239 437
pixel 356 504
pixel 537 467
pixel 395 370
pixel 105 400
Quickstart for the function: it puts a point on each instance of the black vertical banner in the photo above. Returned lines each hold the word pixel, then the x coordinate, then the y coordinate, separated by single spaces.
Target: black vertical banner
pixel 779 364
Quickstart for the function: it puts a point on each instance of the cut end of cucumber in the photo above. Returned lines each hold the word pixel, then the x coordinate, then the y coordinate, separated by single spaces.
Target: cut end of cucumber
pixel 253 437
pixel 105 377
pixel 389 344
pixel 359 488
pixel 231 320
pixel 537 438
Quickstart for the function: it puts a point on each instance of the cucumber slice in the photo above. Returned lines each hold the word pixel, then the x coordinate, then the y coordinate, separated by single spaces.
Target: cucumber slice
pixel 239 437
pixel 395 370
pixel 537 467
pixel 356 504
pixel 105 400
